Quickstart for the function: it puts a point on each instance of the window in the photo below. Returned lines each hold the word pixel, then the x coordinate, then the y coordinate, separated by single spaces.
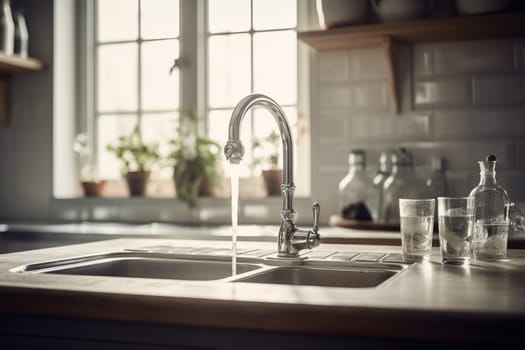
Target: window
pixel 248 46
pixel 136 44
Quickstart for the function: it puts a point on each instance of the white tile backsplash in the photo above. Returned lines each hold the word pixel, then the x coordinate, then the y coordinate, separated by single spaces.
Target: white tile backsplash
pixel 335 96
pixel 443 92
pixel 519 54
pixel 334 124
pixel 463 155
pixel 368 64
pixel 461 101
pixel 333 66
pixel 473 56
pixel 520 153
pixel 422 59
pixel 505 89
pixel 371 95
pixel 479 123
pixel 370 127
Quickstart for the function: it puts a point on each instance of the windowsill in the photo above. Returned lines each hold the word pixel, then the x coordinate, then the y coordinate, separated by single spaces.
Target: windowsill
pixel 209 210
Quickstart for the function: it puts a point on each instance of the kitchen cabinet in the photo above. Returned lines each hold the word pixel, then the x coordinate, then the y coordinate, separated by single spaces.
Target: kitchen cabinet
pixel 10 65
pixel 390 35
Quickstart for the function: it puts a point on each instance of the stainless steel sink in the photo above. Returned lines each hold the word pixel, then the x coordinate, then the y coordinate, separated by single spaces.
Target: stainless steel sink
pixel 142 265
pixel 353 277
pixel 183 263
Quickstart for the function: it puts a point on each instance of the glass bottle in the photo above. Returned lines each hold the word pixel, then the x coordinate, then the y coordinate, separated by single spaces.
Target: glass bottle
pixel 437 182
pixel 385 167
pixel 402 183
pixel 7 28
pixel 357 194
pixel 491 219
pixel 21 44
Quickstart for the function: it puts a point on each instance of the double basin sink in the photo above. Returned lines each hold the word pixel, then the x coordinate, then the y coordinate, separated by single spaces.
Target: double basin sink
pixel 337 269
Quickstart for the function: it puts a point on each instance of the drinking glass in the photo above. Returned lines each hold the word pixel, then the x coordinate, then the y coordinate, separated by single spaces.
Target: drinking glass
pixel 456 217
pixel 417 225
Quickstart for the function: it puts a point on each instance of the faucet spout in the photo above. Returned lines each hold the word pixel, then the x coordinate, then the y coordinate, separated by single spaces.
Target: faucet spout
pixel 234 151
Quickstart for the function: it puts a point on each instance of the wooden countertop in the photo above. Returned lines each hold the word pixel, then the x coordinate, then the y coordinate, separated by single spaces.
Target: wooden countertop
pixel 482 302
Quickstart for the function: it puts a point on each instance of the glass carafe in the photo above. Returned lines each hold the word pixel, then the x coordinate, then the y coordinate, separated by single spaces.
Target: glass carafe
pixel 491 219
pixel 357 194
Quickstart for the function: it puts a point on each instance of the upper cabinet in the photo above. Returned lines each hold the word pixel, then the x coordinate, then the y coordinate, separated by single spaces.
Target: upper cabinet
pixel 8 66
pixel 388 35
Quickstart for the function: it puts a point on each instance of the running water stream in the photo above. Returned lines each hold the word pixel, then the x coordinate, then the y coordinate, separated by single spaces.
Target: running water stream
pixel 235 213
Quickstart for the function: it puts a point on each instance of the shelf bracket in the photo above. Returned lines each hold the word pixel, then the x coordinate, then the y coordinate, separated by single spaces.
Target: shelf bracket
pixel 390 48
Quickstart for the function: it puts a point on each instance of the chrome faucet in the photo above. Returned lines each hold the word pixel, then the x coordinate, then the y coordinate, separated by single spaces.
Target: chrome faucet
pixel 291 239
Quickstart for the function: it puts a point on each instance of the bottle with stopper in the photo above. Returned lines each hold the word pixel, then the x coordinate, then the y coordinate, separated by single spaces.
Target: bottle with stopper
pixel 491 218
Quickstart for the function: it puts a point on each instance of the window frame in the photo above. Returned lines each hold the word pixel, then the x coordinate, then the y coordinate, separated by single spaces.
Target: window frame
pixel 192 81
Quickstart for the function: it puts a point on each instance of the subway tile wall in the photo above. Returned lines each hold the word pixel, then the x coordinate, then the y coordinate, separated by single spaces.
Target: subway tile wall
pixel 460 101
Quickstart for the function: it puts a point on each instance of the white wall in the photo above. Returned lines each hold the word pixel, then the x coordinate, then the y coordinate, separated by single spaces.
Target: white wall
pixel 460 100
pixel 26 146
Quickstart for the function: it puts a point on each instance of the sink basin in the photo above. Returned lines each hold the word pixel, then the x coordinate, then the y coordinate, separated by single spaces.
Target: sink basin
pixel 142 266
pixel 322 276
pixel 204 265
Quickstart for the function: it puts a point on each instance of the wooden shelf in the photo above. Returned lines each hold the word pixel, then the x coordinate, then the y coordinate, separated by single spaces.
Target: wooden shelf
pixel 389 35
pixel 8 66
pixel 421 31
pixel 11 64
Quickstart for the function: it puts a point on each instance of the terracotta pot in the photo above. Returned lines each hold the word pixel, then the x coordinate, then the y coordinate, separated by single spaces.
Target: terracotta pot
pixel 137 181
pixel 206 189
pixel 93 188
pixel 273 180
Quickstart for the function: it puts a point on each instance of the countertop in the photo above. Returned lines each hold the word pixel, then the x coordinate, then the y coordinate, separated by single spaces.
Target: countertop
pixel 427 301
pixel 258 233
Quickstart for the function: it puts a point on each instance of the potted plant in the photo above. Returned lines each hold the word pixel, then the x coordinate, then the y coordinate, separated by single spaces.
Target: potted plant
pixel 138 158
pixel 266 157
pixel 91 185
pixel 196 160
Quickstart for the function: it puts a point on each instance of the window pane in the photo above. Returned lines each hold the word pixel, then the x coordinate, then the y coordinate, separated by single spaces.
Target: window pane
pixel 160 89
pixel 229 69
pixel 264 123
pixel 228 15
pixel 109 129
pixel 117 20
pixel 159 19
pixel 275 65
pixel 117 77
pixel 274 14
pixel 160 128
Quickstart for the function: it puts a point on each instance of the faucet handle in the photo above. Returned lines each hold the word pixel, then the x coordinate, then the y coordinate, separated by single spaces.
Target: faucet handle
pixel 316 208
pixel 313 238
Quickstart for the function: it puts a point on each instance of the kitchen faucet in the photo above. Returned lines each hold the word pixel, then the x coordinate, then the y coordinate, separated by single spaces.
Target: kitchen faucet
pixel 290 239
